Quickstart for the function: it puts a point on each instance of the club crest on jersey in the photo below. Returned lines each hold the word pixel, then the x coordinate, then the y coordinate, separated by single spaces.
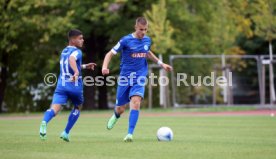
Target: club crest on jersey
pixel 146 47
pixel 138 55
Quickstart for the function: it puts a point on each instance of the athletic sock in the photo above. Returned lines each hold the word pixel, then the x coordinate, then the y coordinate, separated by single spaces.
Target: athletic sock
pixel 73 117
pixel 133 118
pixel 48 115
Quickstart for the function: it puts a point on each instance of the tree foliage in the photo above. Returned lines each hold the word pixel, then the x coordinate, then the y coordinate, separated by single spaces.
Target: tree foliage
pixel 27 47
pixel 34 32
pixel 160 29
pixel 264 17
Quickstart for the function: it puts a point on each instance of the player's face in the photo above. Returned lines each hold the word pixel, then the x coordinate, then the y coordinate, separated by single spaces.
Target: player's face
pixel 141 30
pixel 78 41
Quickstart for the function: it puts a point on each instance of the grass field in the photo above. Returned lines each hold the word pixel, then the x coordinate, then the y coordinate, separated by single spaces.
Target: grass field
pixel 195 137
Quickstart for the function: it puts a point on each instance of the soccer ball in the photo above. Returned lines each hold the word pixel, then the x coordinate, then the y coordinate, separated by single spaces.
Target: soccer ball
pixel 164 134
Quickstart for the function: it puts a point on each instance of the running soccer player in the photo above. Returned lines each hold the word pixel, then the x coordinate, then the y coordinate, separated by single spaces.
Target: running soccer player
pixel 134 48
pixel 69 85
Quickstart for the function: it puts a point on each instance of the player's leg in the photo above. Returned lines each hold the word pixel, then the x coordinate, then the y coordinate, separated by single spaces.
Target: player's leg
pixel 48 115
pixel 77 100
pixel 133 116
pixel 72 119
pixel 121 101
pixel 118 110
pixel 59 98
pixel 134 112
pixel 136 96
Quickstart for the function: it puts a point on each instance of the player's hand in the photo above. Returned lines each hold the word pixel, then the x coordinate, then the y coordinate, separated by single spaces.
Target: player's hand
pixel 75 76
pixel 167 67
pixel 90 66
pixel 105 71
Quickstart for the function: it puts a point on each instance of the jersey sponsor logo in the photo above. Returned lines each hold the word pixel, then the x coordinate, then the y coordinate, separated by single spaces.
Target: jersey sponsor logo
pixel 146 47
pixel 138 55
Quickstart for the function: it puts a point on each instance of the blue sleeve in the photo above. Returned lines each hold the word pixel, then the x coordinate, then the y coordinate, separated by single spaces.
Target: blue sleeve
pixel 119 46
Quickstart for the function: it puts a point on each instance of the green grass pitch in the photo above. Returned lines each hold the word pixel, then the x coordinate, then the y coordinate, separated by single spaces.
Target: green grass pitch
pixel 195 137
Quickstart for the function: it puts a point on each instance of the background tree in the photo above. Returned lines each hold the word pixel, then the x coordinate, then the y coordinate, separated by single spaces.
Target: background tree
pixel 26 49
pixel 160 29
pixel 265 26
pixel 34 32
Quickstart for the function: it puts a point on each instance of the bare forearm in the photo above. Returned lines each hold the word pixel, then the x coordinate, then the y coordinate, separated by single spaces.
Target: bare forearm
pixel 107 59
pixel 152 57
pixel 159 62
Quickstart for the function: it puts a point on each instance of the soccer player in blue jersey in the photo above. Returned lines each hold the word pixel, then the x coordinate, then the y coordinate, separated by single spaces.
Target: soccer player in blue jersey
pixel 69 85
pixel 135 49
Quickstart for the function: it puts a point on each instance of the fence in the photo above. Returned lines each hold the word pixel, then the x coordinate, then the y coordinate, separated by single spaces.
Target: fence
pixel 246 72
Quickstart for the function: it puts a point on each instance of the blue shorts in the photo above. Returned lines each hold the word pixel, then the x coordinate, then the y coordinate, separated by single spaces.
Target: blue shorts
pixel 124 93
pixel 61 96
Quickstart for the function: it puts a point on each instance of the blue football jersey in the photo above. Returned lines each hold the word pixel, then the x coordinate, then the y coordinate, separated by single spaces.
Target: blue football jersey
pixel 133 55
pixel 66 72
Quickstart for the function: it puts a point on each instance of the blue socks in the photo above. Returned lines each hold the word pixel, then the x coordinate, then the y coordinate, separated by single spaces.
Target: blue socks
pixel 73 117
pixel 133 117
pixel 48 115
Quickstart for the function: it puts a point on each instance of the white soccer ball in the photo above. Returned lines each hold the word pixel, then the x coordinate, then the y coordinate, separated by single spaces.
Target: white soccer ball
pixel 164 134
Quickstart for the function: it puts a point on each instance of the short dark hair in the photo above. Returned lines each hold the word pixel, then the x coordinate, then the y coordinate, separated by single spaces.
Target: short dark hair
pixel 141 20
pixel 74 32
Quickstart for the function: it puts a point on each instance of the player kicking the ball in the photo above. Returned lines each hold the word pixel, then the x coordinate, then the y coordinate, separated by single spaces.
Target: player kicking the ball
pixel 69 85
pixel 134 48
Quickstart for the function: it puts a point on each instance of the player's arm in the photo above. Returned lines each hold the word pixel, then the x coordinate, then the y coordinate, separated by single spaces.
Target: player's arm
pixel 107 59
pixel 89 66
pixel 117 48
pixel 153 58
pixel 73 65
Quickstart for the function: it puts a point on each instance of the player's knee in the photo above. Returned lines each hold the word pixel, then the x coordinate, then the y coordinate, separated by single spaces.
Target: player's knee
pixel 135 103
pixel 56 108
pixel 135 106
pixel 136 99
